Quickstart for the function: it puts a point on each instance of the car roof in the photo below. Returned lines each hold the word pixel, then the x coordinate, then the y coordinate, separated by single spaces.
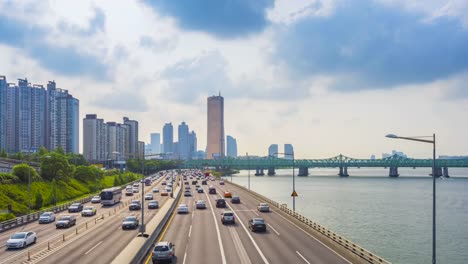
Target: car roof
pixel 257 219
pixel 163 243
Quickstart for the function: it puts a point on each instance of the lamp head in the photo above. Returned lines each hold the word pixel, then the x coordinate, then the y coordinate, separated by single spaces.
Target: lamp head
pixel 391 136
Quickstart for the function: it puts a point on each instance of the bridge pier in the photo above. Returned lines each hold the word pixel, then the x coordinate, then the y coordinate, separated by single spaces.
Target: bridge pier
pixel 271 171
pixel 438 172
pixel 343 171
pixel 393 172
pixel 259 172
pixel 303 171
pixel 445 172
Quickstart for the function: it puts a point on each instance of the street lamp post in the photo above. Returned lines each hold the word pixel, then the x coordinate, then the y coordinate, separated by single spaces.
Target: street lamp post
pixel 294 180
pixel 142 226
pixel 248 160
pixel 29 183
pixel 433 142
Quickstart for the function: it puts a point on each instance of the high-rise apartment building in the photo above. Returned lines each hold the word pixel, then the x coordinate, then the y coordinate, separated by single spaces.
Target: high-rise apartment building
pixel 38 117
pixel 3 109
pixel 231 146
pixel 273 150
pixel 155 144
pixel 288 151
pixel 93 138
pixel 168 138
pixel 132 134
pixel 141 149
pixel 215 131
pixel 192 145
pixel 183 141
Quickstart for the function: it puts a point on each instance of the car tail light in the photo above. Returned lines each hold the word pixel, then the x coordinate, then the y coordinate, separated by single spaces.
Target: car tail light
pixel 170 254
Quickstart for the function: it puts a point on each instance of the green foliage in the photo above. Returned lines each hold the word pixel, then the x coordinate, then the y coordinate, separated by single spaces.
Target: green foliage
pixel 21 171
pixel 87 173
pixel 76 159
pixel 5 217
pixel 6 178
pixel 42 151
pixel 60 151
pixel 3 154
pixel 55 166
pixel 38 201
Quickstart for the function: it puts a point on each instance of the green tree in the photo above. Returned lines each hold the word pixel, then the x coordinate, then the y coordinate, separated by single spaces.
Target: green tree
pixel 60 151
pixel 87 173
pixel 21 171
pixel 38 201
pixel 42 151
pixel 55 166
pixel 76 159
pixel 3 154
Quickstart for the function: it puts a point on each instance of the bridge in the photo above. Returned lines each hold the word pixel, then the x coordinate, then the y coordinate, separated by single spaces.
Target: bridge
pixel 199 236
pixel 341 162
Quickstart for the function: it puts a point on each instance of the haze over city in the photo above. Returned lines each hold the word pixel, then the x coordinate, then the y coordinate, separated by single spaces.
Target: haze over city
pixel 284 78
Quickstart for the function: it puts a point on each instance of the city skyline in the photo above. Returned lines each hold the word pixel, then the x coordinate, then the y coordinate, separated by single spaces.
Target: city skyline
pixel 276 86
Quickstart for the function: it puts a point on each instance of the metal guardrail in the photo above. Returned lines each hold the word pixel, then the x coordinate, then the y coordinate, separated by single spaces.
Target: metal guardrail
pixel 346 243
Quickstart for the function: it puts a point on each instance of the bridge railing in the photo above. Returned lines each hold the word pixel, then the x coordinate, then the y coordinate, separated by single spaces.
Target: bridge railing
pixel 353 248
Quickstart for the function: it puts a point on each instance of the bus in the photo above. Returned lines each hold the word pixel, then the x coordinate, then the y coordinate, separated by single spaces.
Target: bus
pixel 111 196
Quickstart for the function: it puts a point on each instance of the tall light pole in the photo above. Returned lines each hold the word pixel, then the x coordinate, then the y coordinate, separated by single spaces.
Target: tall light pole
pixel 434 176
pixel 294 194
pixel 248 161
pixel 29 182
pixel 142 226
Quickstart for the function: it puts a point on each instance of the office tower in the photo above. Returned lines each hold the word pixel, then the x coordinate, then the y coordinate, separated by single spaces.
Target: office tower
pixel 231 147
pixel 183 141
pixel 155 145
pixel 288 151
pixel 3 109
pixel 192 145
pixel 132 135
pixel 215 131
pixel 168 138
pixel 273 150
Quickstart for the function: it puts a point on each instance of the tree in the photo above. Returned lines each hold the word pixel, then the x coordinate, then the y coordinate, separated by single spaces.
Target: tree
pixel 87 173
pixel 76 159
pixel 55 166
pixel 3 154
pixel 60 151
pixel 42 151
pixel 21 171
pixel 39 201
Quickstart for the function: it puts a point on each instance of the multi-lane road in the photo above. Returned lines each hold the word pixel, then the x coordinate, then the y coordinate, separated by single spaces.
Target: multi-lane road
pixel 200 237
pixel 99 244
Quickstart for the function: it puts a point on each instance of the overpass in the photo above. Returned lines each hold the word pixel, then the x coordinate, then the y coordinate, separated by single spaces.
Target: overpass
pixel 6 165
pixel 199 235
pixel 341 162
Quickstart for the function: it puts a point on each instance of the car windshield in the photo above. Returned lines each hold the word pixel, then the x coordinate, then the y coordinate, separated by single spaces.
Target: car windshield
pixel 258 221
pixel 153 203
pixel 96 197
pixel 46 214
pixel 161 248
pixel 228 214
pixel 130 218
pixel 63 218
pixel 18 236
pixel 89 208
pixel 263 204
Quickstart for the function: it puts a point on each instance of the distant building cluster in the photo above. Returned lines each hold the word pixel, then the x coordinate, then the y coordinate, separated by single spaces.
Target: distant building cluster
pixel 111 140
pixel 231 147
pixel 186 146
pixel 394 152
pixel 32 116
pixel 287 154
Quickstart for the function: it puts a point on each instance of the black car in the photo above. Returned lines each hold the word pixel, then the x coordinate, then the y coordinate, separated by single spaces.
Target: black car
pixel 153 205
pixel 212 190
pixel 75 207
pixel 130 222
pixel 204 182
pixel 257 224
pixel 135 205
pixel 66 221
pixel 220 203
pixel 200 190
pixel 235 200
pixel 194 182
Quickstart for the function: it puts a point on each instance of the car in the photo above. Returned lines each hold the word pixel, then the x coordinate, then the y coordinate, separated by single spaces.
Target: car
pixel 46 217
pixel 257 224
pixel 129 192
pixel 155 190
pixel 235 200
pixel 182 209
pixel 169 184
pixel 88 211
pixel 21 240
pixel 65 221
pixel 263 207
pixel 228 217
pixel 200 190
pixel 187 193
pixel 212 190
pixel 204 182
pixel 130 222
pixel 163 251
pixel 187 187
pixel 168 189
pixel 220 203
pixel 186 182
pixel 134 205
pixel 163 183
pixel 96 199
pixel 194 182
pixel 153 205
pixel 136 185
pixel 136 189
pixel 221 183
pixel 164 193
pixel 200 204
pixel 149 196
pixel 75 207
pixel 227 194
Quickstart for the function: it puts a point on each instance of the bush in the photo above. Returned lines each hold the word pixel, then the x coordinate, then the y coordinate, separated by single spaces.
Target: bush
pixel 38 201
pixel 21 171
pixel 6 178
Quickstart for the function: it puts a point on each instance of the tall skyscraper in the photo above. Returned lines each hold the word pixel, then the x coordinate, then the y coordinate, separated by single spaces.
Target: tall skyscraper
pixel 155 145
pixel 94 138
pixel 38 117
pixel 289 151
pixel 183 141
pixel 215 131
pixel 3 109
pixel 192 145
pixel 132 137
pixel 273 150
pixel 231 147
pixel 11 143
pixel 168 138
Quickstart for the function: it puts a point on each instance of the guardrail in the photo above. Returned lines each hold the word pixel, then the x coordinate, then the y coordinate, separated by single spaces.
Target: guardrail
pixel 346 243
pixel 26 219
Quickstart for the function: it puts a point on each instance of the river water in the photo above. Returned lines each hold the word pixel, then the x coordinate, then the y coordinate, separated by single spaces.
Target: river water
pixel 391 217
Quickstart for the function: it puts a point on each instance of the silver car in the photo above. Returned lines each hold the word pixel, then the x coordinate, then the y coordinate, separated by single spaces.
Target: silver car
pixel 46 217
pixel 163 251
pixel 21 240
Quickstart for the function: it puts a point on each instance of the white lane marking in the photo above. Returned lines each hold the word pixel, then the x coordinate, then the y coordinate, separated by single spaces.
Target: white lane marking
pixel 220 242
pixel 273 229
pixel 190 231
pixel 241 252
pixel 303 257
pixel 247 210
pixel 313 237
pixel 185 255
pixel 255 212
pixel 91 249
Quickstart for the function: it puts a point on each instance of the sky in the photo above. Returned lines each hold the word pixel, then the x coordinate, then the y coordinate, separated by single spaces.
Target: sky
pixel 328 76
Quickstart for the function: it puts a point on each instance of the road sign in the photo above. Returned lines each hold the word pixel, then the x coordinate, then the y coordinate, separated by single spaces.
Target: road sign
pixel 294 194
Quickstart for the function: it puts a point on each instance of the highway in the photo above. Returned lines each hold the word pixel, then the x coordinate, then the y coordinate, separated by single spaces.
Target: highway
pixel 107 237
pixel 200 237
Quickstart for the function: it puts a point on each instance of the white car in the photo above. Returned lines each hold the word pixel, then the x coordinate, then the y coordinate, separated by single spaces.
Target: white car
pixel 96 199
pixel 182 209
pixel 263 207
pixel 136 189
pixel 46 217
pixel 148 196
pixel 200 204
pixel 21 240
pixel 155 190
pixel 88 211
